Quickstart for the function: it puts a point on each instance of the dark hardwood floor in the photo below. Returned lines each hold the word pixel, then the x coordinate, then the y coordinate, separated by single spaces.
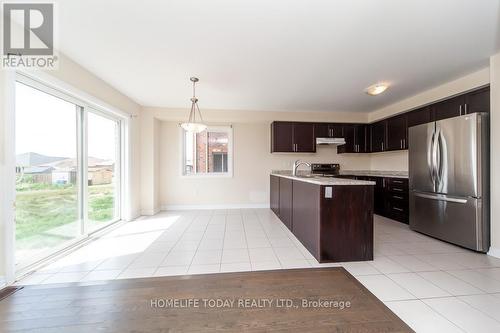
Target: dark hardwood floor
pixel 140 305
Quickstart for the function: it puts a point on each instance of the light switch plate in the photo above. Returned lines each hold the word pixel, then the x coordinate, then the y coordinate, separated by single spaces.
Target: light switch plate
pixel 328 192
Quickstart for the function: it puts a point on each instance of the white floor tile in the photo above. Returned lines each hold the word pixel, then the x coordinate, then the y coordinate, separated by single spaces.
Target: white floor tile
pixel 204 269
pixel 360 268
pixel 450 283
pixel 102 275
pixel 262 254
pixel 417 285
pixel 181 258
pixel 265 265
pixel 387 266
pixel 65 277
pixel 235 256
pixel 236 267
pixel 288 253
pixel 478 280
pixel 421 318
pixel 132 273
pixel 488 304
pixel 171 270
pixel 204 257
pixel 463 315
pixel 295 263
pixel 384 288
pixel 413 263
pixel 258 242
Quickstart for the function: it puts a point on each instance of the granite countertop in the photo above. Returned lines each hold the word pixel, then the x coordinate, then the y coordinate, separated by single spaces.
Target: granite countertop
pixel 392 174
pixel 318 180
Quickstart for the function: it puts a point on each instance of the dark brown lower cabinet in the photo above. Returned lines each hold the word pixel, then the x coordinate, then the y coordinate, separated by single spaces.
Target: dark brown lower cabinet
pixel 334 228
pixel 390 197
pixel 285 200
pixel 274 201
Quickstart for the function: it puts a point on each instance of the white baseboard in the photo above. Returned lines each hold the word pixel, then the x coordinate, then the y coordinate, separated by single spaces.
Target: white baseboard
pixel 150 212
pixel 215 206
pixel 494 252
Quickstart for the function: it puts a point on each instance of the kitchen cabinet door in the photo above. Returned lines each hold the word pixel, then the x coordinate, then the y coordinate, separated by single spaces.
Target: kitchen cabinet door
pixel 449 108
pixel 336 130
pixel 419 116
pixel 285 201
pixel 350 140
pixel 282 137
pixel 379 195
pixel 360 138
pixel 275 194
pixel 321 130
pixel 397 133
pixel 477 101
pixel 303 138
pixel 378 133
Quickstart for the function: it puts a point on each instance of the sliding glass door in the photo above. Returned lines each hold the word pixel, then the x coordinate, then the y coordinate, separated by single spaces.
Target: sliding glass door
pixel 103 166
pixel 47 168
pixel 67 171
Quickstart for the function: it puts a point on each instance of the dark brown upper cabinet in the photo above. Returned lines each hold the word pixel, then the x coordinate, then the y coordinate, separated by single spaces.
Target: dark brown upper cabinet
pixel 419 116
pixel 449 108
pixel 355 139
pixel 384 135
pixel 292 137
pixel 477 101
pixel 378 133
pixel 323 130
pixel 397 132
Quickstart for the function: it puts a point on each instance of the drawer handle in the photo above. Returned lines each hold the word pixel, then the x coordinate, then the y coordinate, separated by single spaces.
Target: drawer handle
pixel 397 181
pixel 398 189
pixel 397 197
pixel 398 209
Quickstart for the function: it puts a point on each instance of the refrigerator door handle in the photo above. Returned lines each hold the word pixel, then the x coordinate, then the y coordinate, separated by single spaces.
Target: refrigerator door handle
pixel 440 198
pixel 430 158
pixel 439 157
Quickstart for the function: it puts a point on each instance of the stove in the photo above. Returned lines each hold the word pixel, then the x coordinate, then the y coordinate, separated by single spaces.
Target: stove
pixel 325 169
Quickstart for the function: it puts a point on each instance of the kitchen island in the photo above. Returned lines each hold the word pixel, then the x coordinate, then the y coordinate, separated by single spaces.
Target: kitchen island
pixel 331 217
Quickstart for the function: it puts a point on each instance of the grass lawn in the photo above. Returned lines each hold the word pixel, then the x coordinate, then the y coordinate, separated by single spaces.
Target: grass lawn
pixel 42 207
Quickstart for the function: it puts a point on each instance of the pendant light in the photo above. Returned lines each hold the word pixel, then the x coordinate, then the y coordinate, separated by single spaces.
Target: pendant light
pixel 192 125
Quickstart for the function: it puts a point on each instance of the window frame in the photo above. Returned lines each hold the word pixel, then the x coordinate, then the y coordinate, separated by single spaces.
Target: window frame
pixel 84 104
pixel 230 152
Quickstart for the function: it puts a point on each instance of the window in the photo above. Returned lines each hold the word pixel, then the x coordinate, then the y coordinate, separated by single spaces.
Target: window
pixel 208 152
pixel 68 160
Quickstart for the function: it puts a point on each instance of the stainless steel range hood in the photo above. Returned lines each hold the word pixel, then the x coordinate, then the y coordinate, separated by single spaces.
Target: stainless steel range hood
pixel 330 141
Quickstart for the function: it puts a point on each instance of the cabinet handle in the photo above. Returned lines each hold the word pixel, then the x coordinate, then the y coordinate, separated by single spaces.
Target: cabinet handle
pixel 398 209
pixel 400 144
pixel 465 108
pixel 398 181
pixel 397 197
pixel 460 108
pixel 382 146
pixel 398 189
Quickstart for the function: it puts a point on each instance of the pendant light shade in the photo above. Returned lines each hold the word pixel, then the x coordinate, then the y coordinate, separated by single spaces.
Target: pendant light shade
pixel 192 125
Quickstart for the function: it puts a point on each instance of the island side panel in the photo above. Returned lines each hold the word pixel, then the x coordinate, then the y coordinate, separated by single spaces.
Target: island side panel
pixel 306 215
pixel 285 202
pixel 346 229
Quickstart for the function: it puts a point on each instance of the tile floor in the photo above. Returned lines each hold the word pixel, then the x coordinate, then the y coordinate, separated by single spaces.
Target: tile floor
pixel 431 285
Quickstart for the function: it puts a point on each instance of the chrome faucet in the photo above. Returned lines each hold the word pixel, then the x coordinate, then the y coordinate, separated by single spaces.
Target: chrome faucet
pixel 296 164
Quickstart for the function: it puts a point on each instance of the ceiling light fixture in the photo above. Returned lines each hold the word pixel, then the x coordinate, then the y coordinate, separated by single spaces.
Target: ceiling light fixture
pixel 192 125
pixel 376 89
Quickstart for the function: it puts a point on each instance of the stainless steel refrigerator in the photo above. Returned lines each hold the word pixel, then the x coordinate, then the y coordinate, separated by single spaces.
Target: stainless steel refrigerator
pixel 449 180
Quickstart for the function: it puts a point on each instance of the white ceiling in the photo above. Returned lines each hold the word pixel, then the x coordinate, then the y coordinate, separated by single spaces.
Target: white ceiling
pixel 295 55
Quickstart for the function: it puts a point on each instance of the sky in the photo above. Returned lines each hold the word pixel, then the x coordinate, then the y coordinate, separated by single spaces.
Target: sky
pixel 47 125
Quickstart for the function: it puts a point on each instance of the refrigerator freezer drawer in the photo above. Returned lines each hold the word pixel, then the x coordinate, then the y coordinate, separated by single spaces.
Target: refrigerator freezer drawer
pixel 456 220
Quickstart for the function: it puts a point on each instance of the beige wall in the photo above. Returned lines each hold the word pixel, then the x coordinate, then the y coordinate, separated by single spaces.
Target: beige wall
pixel 495 154
pixel 252 163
